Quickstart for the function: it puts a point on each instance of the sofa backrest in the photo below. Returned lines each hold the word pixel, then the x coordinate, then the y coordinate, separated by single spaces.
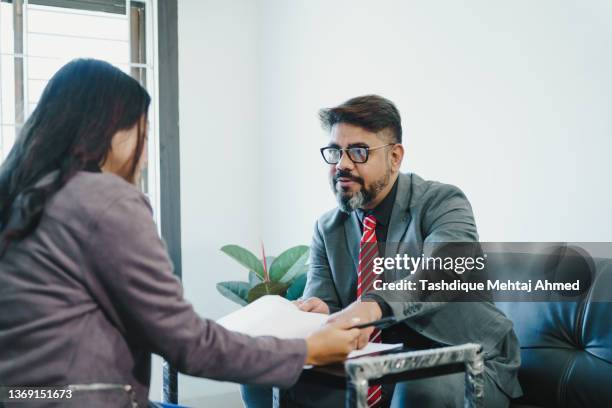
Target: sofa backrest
pixel 566 347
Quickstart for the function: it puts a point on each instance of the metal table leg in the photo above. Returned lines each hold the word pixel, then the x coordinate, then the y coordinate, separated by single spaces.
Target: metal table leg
pixel 360 371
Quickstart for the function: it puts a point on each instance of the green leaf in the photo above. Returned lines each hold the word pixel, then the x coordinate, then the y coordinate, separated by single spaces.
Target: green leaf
pixel 285 261
pixel 245 258
pixel 266 288
pixel 235 291
pixel 254 279
pixel 298 269
pixel 297 288
pixel 269 261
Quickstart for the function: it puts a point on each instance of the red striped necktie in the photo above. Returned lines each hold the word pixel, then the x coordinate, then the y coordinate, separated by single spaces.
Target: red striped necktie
pixel 368 250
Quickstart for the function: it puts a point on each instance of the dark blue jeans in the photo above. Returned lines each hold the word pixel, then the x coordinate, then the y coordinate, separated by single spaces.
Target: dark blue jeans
pixel 255 396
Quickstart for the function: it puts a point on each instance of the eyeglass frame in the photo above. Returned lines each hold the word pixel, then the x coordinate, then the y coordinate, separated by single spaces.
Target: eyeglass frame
pixel 367 148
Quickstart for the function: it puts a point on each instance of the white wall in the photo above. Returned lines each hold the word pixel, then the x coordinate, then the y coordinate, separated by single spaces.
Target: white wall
pixel 220 163
pixel 510 101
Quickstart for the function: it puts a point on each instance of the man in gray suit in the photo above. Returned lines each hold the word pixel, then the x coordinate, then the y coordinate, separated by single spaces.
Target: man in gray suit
pixel 410 214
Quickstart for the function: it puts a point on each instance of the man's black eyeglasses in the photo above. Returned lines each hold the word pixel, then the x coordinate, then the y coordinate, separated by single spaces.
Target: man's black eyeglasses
pixel 357 154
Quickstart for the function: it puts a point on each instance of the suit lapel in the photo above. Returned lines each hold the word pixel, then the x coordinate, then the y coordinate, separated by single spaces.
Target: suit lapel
pixel 400 216
pixel 352 232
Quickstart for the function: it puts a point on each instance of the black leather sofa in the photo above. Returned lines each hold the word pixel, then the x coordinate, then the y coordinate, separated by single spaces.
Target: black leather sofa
pixel 566 346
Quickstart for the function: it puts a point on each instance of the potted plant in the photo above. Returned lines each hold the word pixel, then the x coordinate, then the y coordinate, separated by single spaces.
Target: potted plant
pixel 284 275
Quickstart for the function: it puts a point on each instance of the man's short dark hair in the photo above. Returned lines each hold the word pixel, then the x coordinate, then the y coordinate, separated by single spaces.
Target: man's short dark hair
pixel 370 112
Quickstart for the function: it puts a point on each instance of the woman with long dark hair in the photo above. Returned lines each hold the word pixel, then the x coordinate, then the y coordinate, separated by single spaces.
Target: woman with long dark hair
pixel 86 287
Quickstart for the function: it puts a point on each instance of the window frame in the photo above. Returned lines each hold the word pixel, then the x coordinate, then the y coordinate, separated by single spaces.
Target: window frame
pixel 147 46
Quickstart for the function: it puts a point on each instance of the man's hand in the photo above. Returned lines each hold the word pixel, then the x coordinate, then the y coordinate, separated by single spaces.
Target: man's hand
pixel 365 312
pixel 313 304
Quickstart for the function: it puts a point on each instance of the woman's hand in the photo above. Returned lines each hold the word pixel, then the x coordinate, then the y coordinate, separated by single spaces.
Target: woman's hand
pixel 332 343
pixel 364 312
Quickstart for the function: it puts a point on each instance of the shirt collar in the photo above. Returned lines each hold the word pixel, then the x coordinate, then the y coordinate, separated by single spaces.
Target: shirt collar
pixel 382 212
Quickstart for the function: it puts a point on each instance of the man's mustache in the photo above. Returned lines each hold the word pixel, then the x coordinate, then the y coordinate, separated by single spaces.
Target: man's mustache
pixel 347 175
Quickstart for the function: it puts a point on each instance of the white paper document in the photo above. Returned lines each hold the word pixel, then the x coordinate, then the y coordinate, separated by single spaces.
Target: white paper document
pixel 371 348
pixel 276 316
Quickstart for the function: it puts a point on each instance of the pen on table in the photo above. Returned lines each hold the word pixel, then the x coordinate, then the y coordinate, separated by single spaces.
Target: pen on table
pixel 379 324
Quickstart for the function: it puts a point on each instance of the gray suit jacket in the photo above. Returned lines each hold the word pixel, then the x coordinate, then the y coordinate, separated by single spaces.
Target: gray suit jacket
pixel 424 212
pixel 90 295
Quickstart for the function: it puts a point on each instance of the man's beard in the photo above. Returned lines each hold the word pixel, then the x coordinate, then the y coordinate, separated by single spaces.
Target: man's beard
pixel 359 199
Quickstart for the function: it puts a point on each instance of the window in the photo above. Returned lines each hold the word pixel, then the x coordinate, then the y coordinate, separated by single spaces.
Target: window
pixel 37 37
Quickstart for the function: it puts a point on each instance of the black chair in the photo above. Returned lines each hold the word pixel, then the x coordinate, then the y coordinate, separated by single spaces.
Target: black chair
pixel 566 347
